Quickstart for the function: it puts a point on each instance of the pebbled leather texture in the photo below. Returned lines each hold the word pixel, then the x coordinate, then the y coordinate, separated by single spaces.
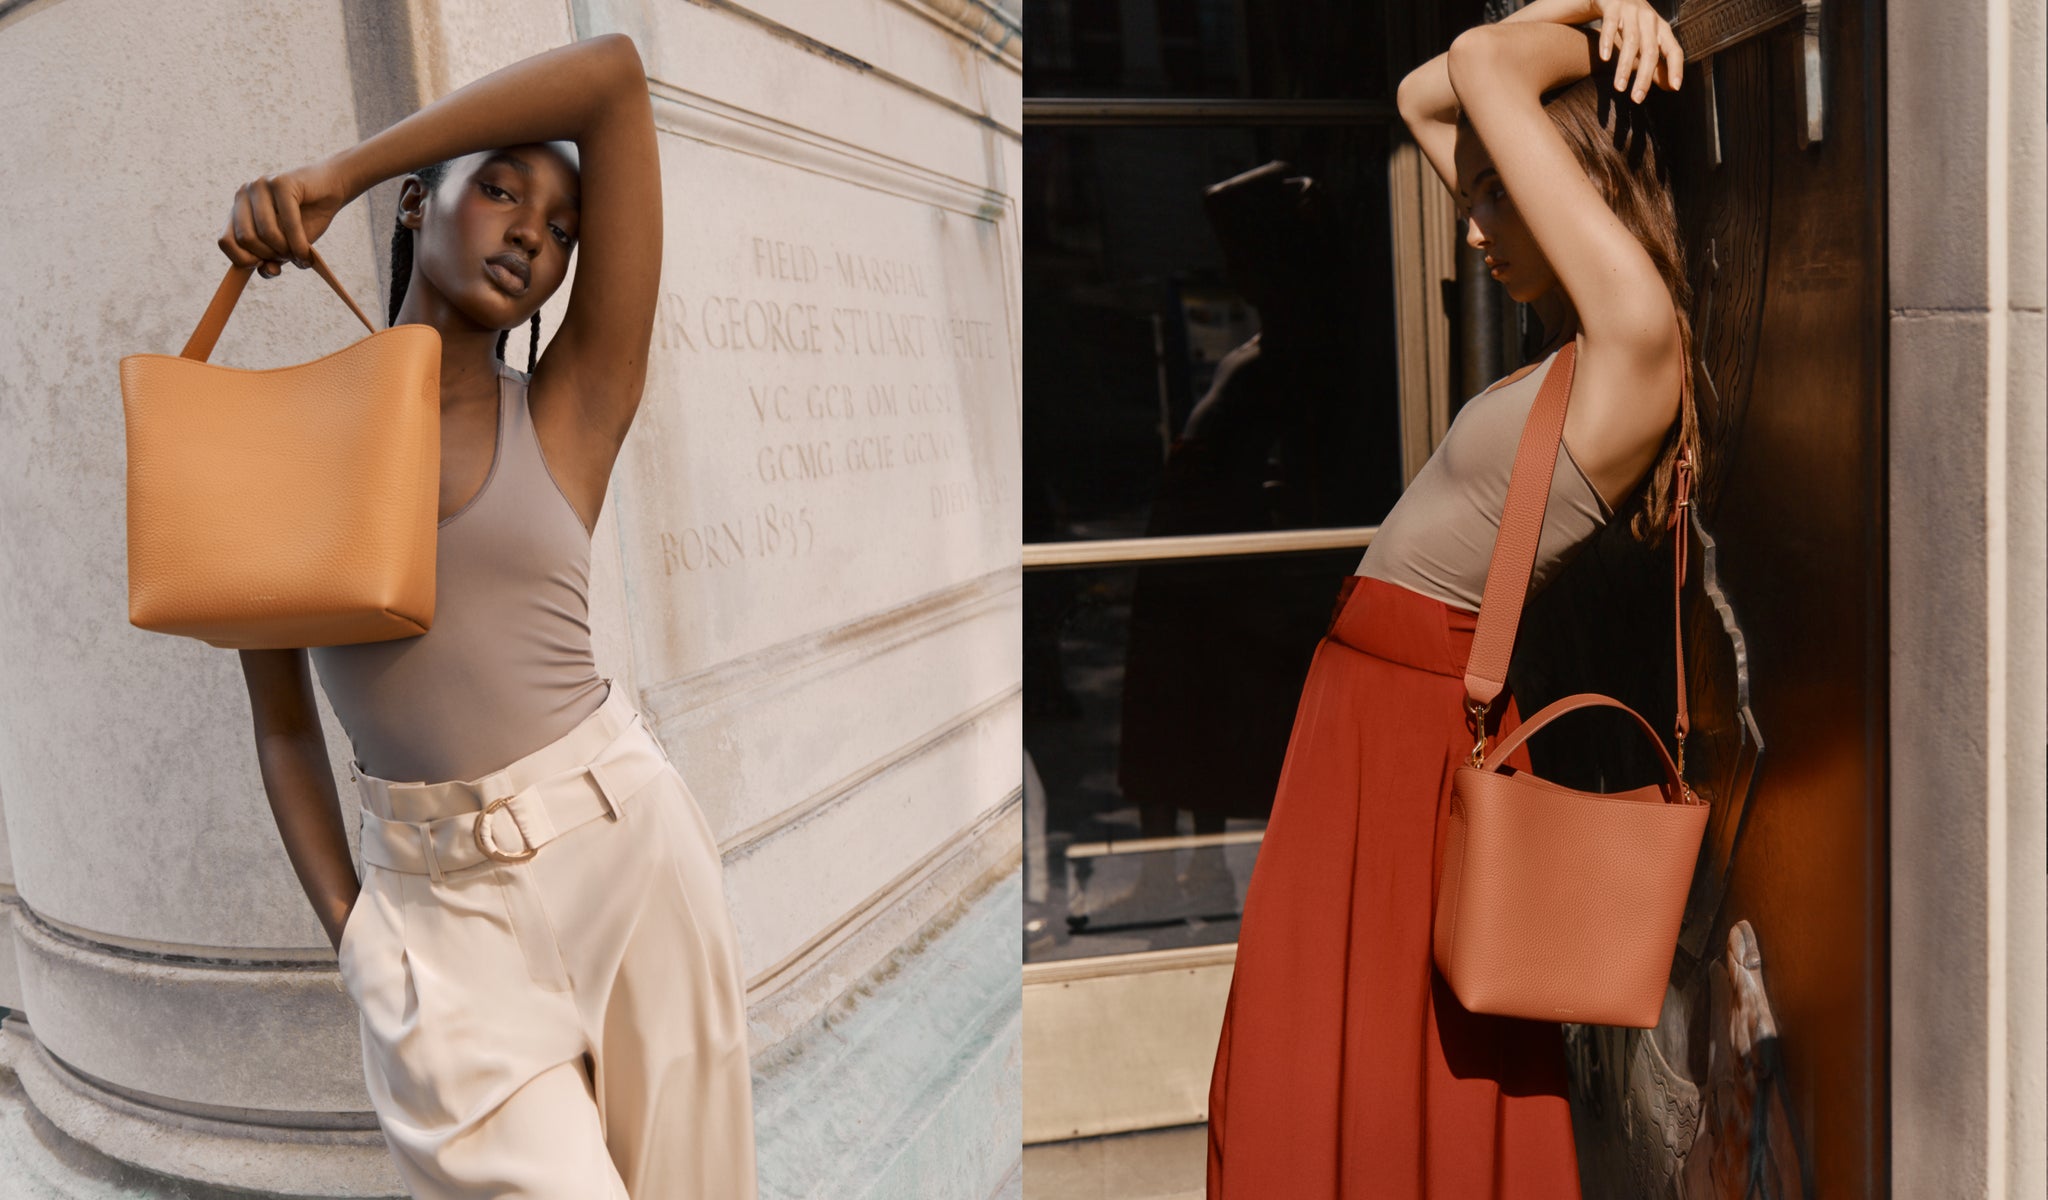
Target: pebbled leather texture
pixel 287 507
pixel 1556 904
pixel 1562 905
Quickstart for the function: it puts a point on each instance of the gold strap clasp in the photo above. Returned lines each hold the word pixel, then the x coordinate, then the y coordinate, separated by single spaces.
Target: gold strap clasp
pixel 1475 720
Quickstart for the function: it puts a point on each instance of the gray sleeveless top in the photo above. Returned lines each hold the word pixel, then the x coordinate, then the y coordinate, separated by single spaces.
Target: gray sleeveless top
pixel 1438 540
pixel 507 666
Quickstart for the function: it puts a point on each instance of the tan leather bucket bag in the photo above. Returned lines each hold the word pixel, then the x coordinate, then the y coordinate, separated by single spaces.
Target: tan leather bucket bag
pixel 287 507
pixel 1556 904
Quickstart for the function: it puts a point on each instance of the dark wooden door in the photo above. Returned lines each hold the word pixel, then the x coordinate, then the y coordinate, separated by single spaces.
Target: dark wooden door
pixel 1772 1057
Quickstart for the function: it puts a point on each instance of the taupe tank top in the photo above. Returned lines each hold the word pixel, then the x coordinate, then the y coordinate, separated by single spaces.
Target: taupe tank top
pixel 1438 540
pixel 507 666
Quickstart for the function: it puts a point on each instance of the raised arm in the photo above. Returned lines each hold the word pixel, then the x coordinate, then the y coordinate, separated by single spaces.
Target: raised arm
pixel 599 356
pixel 592 93
pixel 1500 73
pixel 1429 106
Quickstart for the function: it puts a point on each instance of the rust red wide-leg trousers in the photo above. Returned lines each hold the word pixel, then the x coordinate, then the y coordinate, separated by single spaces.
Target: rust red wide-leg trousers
pixel 1347 1068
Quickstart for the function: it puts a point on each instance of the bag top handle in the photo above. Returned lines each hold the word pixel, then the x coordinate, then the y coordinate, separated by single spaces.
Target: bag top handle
pixel 1521 528
pixel 230 290
pixel 1673 777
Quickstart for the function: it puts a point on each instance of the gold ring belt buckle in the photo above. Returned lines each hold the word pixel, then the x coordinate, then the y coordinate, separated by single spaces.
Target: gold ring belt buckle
pixel 484 844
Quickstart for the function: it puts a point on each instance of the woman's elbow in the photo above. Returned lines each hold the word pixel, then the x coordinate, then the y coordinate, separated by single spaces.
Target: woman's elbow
pixel 624 58
pixel 1471 55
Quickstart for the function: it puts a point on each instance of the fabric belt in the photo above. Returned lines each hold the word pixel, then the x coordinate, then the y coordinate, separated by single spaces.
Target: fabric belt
pixel 508 815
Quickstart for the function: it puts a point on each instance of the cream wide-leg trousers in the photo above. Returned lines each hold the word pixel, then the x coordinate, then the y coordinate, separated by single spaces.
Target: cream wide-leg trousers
pixel 569 1025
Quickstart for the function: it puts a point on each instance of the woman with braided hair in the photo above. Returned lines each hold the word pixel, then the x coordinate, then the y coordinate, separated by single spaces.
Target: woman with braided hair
pixel 402 239
pixel 538 946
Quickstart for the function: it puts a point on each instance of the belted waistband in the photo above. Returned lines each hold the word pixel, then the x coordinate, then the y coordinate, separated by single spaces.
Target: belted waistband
pixel 509 814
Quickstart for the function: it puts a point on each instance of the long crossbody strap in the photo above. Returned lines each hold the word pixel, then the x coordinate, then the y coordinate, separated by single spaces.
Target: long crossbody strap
pixel 216 319
pixel 1521 529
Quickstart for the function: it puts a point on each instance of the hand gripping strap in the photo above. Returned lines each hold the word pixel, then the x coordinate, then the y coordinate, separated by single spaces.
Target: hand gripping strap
pixel 1521 529
pixel 230 290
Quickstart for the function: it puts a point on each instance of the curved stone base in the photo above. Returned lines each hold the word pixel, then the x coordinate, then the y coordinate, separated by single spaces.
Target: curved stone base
pixel 62 1138
pixel 911 1084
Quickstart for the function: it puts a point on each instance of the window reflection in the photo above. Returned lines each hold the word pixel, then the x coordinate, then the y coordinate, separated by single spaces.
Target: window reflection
pixel 1210 348
pixel 1245 49
pixel 1177 686
pixel 1244 270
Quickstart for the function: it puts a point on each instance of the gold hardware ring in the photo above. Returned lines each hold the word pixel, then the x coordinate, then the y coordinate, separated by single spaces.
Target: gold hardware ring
pixel 491 851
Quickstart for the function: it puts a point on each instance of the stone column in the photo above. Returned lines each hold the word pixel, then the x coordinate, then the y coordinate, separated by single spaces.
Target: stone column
pixel 182 1014
pixel 1969 454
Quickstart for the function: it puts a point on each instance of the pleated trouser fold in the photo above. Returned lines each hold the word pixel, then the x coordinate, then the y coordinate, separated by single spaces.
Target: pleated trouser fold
pixel 1346 1067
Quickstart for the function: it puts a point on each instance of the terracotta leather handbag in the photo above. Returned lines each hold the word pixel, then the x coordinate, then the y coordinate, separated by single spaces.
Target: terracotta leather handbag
pixel 286 507
pixel 1556 904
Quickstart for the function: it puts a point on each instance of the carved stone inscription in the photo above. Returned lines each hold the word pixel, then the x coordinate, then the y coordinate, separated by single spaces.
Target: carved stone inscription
pixel 835 400
pixel 857 373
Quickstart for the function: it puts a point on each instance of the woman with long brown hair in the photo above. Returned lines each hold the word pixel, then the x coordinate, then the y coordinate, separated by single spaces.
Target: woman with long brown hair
pixel 1346 1066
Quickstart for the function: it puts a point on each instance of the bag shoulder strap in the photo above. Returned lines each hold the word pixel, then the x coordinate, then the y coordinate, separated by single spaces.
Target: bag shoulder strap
pixel 1521 529
pixel 216 319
